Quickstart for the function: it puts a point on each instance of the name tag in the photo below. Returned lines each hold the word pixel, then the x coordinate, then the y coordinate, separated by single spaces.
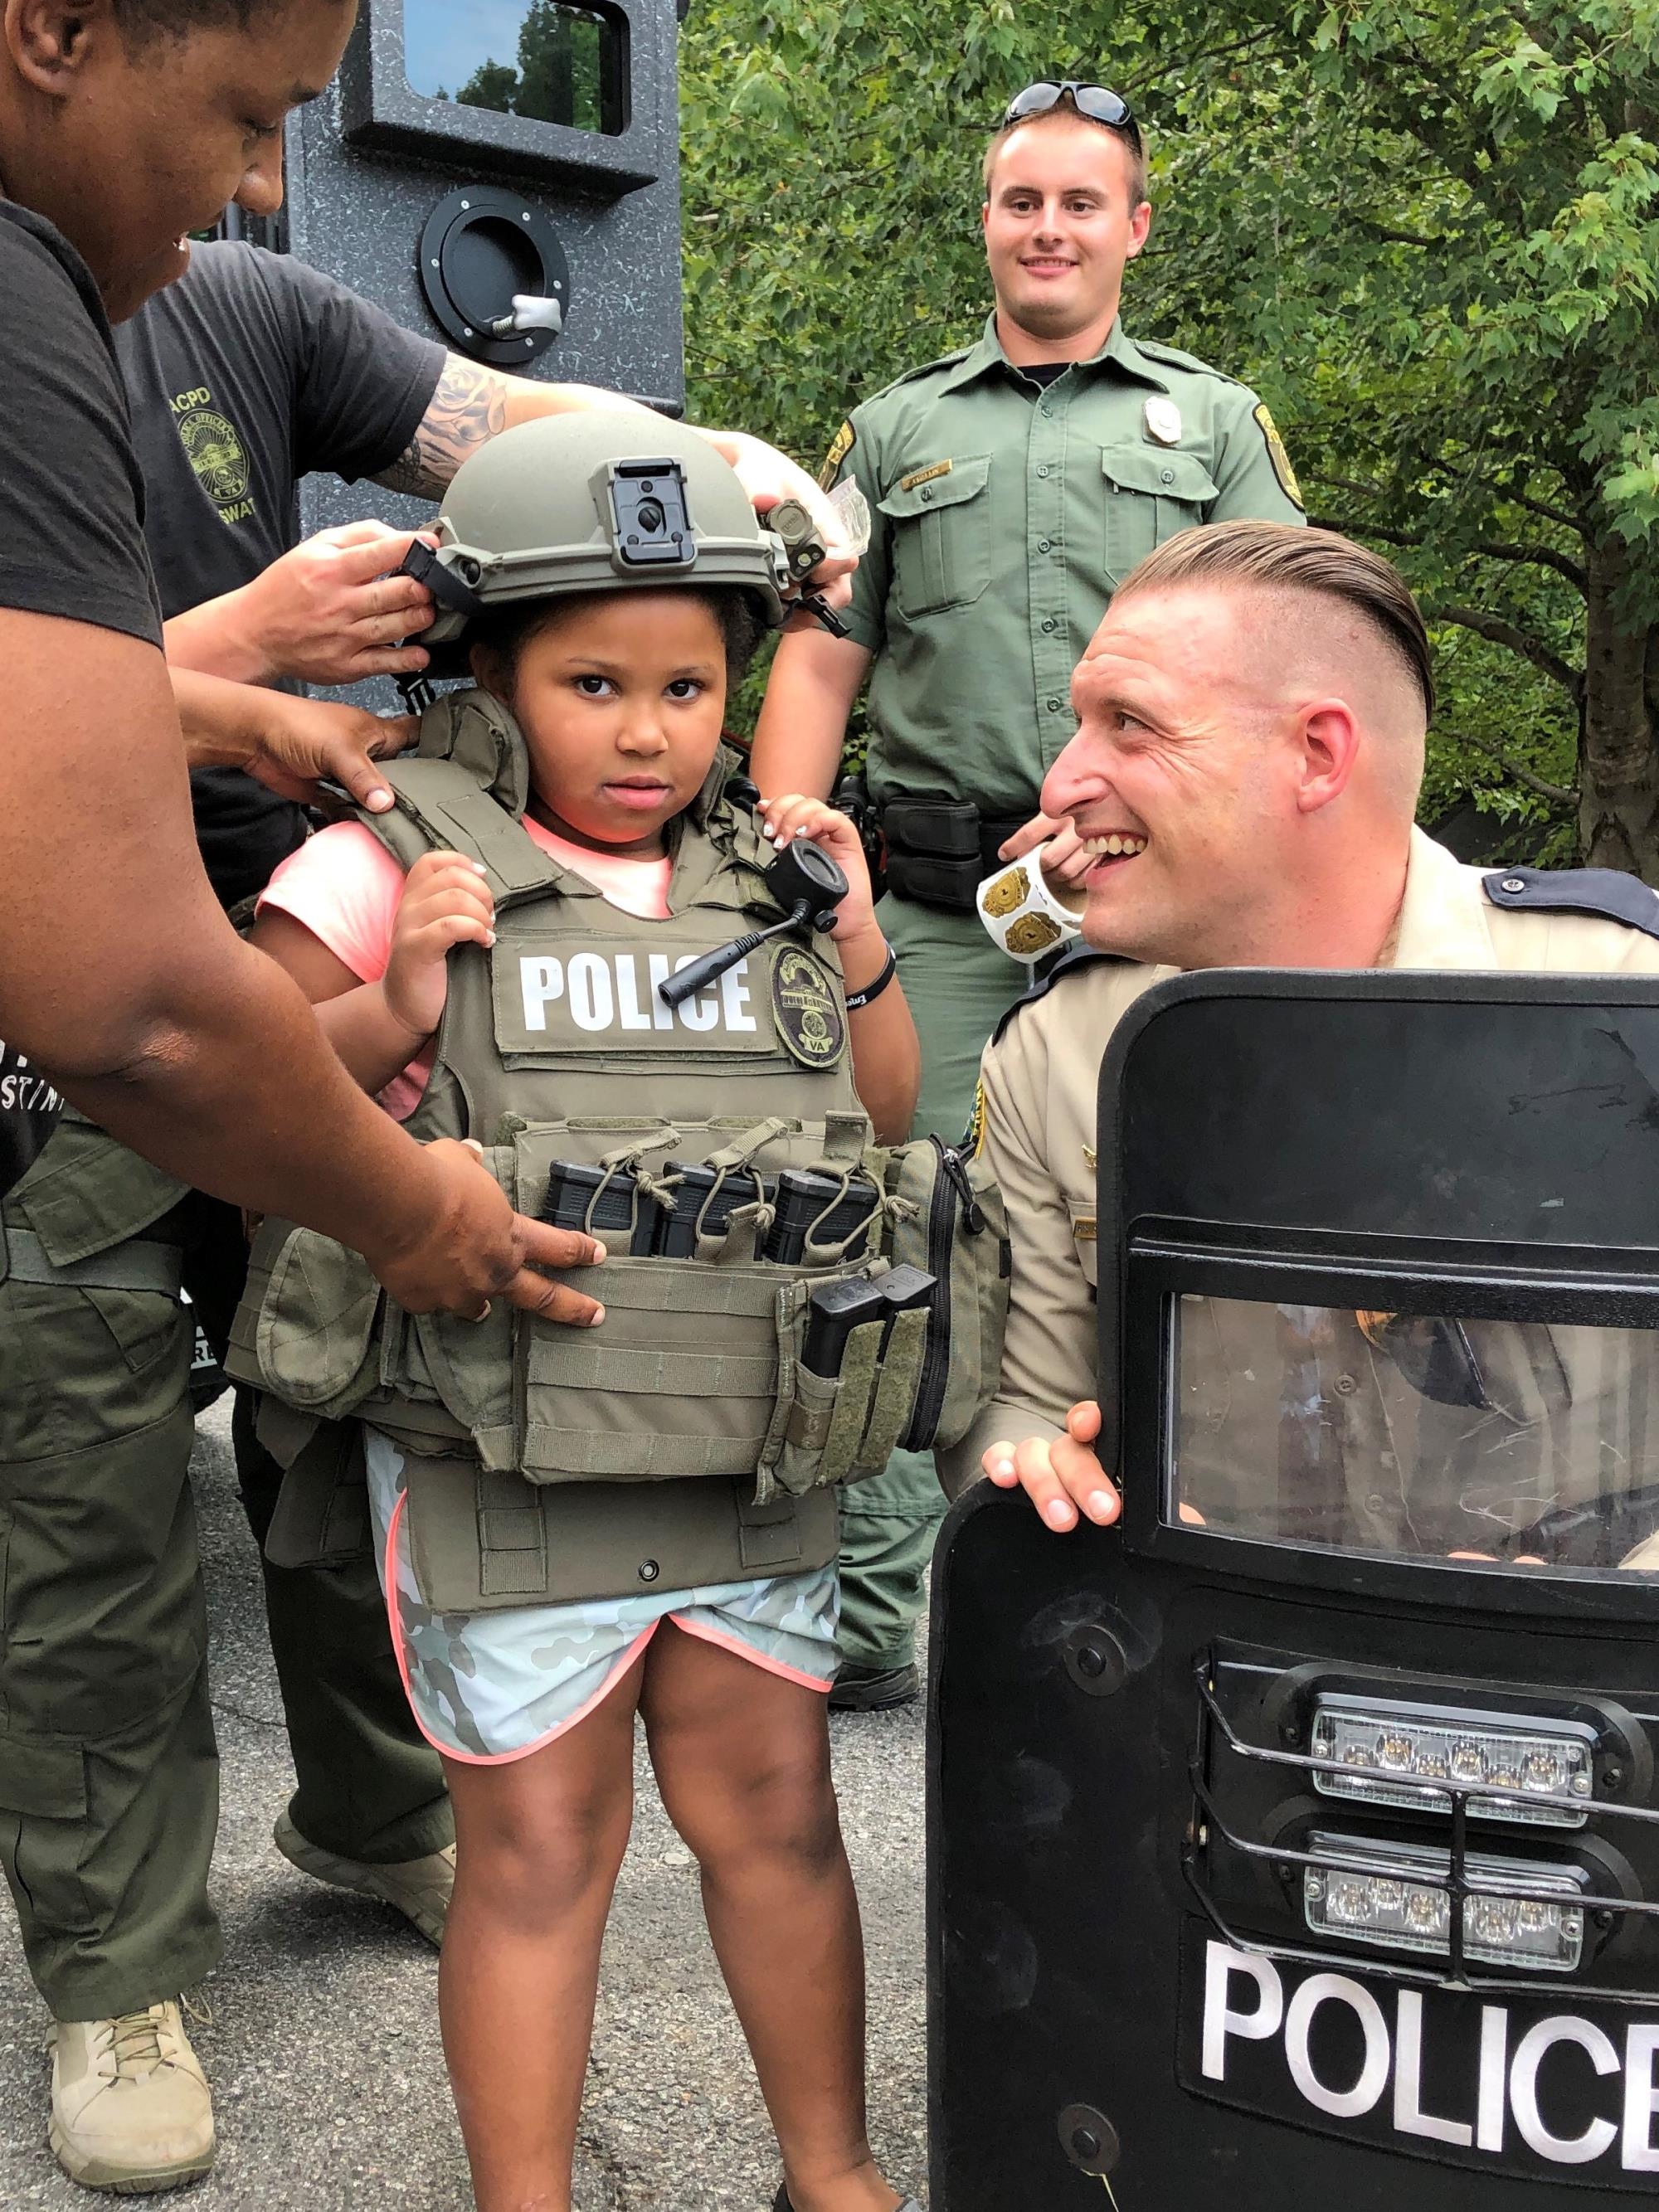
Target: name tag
pixel 595 999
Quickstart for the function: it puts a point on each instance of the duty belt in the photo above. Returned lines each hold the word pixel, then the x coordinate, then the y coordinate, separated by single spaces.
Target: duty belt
pixel 138 1265
pixel 940 850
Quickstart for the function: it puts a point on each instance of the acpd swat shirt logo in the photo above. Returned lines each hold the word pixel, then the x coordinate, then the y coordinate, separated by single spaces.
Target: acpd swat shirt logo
pixel 214 452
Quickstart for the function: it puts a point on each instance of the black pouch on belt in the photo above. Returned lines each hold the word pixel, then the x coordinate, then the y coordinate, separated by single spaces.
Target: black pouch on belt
pixel 940 850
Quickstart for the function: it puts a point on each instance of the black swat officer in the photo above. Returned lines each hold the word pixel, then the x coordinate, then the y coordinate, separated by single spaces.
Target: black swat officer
pixel 248 373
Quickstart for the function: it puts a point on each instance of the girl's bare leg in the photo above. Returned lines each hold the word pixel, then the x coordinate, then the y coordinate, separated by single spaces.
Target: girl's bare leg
pixel 537 1845
pixel 741 1758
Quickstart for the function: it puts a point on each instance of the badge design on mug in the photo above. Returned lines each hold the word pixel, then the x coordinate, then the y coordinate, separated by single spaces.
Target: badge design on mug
pixel 804 1007
pixel 1023 913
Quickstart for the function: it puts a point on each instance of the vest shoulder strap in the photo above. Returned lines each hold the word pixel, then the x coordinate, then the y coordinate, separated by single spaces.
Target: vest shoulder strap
pixel 445 807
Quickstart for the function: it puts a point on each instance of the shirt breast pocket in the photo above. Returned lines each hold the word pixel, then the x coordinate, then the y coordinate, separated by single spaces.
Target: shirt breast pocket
pixel 941 536
pixel 1149 495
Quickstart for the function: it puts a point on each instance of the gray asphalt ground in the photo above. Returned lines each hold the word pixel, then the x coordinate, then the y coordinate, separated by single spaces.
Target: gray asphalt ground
pixel 323 2048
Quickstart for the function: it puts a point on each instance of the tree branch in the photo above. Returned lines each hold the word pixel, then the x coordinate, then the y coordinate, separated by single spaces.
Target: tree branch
pixel 1541 556
pixel 1499 632
pixel 1558 794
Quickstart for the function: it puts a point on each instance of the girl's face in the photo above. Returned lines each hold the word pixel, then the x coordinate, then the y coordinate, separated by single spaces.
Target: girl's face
pixel 621 698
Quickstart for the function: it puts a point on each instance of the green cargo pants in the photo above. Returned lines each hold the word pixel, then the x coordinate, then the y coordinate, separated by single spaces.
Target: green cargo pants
pixel 958 984
pixel 369 1785
pixel 108 1768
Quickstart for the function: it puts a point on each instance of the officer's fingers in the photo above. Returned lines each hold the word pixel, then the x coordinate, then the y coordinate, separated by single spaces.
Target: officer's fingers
pixel 393 734
pixel 1034 1465
pixel 997 1460
pixel 1083 1421
pixel 367 559
pixel 384 622
pixel 547 1247
pixel 1040 828
pixel 382 660
pixel 367 531
pixel 1084 1480
pixel 1070 868
pixel 550 1301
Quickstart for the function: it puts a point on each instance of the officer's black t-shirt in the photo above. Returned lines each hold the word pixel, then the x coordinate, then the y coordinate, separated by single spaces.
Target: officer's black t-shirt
pixel 251 372
pixel 72 512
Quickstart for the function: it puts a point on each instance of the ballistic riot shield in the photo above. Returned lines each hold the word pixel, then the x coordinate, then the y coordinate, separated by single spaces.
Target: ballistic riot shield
pixel 1298 1842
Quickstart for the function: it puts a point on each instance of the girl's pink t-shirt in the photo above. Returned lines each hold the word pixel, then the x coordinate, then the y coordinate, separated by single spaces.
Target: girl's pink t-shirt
pixel 346 887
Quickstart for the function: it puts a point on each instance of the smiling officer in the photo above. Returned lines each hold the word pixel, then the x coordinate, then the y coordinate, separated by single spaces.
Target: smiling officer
pixel 1013 483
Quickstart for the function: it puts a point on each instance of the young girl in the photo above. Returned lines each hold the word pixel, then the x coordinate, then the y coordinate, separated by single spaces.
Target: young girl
pixel 619 696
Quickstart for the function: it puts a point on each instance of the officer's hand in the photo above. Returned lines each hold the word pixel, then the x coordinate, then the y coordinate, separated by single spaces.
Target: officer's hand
pixel 793 816
pixel 290 743
pixel 1065 860
pixel 1060 1475
pixel 445 902
pixel 474 1248
pixel 769 476
pixel 332 610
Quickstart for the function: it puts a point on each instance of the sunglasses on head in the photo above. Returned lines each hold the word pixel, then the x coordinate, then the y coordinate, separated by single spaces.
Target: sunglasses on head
pixel 1094 100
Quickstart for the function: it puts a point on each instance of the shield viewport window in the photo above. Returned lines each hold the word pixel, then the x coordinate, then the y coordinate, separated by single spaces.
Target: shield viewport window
pixel 541 59
pixel 1534 1445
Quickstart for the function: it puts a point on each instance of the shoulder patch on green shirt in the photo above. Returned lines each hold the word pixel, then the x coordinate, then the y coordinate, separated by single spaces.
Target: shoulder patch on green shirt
pixel 840 446
pixel 1278 456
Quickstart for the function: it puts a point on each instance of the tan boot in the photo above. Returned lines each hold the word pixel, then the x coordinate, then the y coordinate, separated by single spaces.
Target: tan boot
pixel 418 1888
pixel 130 2110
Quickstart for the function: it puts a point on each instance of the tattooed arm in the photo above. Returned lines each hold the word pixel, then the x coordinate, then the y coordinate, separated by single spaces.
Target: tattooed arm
pixel 469 406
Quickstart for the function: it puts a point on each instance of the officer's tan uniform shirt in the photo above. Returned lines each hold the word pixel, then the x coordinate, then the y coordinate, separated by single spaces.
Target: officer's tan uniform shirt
pixel 1004 517
pixel 1040 1081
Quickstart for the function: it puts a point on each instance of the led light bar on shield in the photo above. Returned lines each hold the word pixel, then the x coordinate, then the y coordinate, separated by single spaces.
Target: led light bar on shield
pixel 1397 1752
pixel 1410 1909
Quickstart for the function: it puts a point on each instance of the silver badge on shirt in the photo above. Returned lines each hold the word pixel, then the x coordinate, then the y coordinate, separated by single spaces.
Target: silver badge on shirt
pixel 1163 421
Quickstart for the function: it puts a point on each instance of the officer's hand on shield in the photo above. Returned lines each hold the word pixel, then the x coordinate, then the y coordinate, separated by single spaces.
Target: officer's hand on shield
pixel 767 476
pixel 1064 858
pixel 334 609
pixel 474 1248
pixel 1060 1474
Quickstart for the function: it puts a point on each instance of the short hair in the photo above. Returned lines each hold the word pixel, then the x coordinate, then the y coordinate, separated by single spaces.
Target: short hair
pixel 1127 136
pixel 142 21
pixel 1281 556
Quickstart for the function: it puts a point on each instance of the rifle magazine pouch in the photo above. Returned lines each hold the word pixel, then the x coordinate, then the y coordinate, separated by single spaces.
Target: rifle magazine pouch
pixel 893 1402
pixel 953 1225
pixel 819 1438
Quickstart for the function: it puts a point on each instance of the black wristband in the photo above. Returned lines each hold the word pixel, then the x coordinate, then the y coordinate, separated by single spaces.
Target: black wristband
pixel 876 985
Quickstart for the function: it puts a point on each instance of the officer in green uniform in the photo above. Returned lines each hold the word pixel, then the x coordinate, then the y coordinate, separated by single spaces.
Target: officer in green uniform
pixel 1011 485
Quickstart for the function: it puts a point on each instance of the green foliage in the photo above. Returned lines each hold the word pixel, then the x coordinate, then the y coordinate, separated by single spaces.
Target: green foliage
pixel 1427 230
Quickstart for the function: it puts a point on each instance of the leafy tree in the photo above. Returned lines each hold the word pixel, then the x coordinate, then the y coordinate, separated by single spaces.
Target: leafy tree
pixel 1428 233
pixel 492 84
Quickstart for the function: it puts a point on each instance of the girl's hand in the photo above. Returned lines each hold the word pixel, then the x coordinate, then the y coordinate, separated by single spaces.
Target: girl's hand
pixel 792 817
pixel 445 903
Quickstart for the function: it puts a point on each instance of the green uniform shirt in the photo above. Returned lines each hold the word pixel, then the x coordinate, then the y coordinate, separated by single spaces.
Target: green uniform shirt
pixel 1004 515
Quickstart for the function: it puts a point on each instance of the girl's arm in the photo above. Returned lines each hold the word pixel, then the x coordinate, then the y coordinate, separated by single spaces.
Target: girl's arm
pixel 378 1028
pixel 886 1056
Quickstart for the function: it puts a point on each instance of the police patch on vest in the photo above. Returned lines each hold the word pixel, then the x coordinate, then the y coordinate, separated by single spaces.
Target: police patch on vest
pixel 806 1010
pixel 1278 457
pixel 550 999
pixel 840 446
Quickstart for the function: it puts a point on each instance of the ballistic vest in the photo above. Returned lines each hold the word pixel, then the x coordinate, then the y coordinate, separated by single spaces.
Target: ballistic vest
pixel 554 1048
